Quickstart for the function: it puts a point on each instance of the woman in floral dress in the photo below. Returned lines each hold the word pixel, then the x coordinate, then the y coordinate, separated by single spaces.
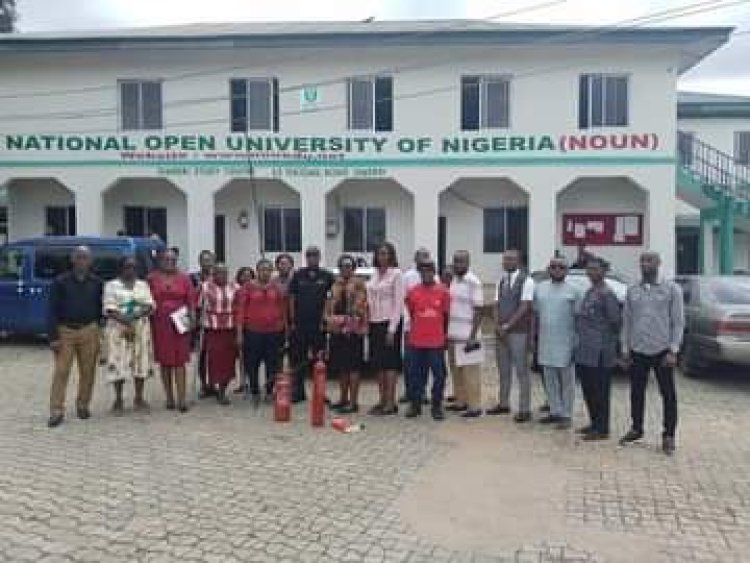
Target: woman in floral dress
pixel 127 304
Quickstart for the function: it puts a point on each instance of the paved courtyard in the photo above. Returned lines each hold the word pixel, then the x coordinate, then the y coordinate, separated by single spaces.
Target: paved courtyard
pixel 227 484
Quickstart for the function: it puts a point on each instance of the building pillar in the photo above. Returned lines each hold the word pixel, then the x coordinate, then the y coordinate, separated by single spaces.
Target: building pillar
pixel 312 195
pixel 726 236
pixel 426 217
pixel 661 218
pixel 88 191
pixel 542 226
pixel 706 241
pixel 200 221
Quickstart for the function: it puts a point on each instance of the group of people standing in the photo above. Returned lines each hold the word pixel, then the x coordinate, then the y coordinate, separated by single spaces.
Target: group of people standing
pixel 412 322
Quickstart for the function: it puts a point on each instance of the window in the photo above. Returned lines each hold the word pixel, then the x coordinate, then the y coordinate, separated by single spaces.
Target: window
pixel 685 147
pixel 282 229
pixel 742 147
pixel 11 264
pixel 370 102
pixel 50 262
pixel 3 225
pixel 506 227
pixel 485 102
pixel 60 221
pixel 145 221
pixel 254 104
pixel 364 228
pixel 602 101
pixel 220 238
pixel 140 104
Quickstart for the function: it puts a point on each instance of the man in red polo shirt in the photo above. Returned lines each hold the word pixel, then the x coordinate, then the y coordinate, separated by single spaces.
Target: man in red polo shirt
pixel 428 304
pixel 261 327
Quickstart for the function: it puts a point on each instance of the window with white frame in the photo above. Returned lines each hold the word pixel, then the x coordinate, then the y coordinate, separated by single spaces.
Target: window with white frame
pixel 282 229
pixel 370 104
pixel 254 104
pixel 364 228
pixel 603 100
pixel 685 147
pixel 485 102
pixel 506 228
pixel 742 147
pixel 140 105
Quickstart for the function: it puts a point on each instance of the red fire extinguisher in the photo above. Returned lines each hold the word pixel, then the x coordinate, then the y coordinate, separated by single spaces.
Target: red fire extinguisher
pixel 318 402
pixel 282 401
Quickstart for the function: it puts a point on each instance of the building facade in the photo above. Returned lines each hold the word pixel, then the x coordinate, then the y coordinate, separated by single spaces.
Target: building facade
pixel 714 129
pixel 265 138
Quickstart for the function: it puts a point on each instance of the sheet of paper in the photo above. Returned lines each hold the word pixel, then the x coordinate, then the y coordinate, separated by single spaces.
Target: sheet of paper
pixel 630 225
pixel 595 226
pixel 580 230
pixel 181 320
pixel 468 359
pixel 569 226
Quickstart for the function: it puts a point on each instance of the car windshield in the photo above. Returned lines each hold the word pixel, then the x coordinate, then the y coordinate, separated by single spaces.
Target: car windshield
pixel 733 291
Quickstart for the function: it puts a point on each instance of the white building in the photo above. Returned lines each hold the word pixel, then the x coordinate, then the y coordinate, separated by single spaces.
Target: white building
pixel 715 137
pixel 255 138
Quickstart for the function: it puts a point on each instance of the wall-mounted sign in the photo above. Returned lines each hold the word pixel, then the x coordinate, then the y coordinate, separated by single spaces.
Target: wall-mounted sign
pixel 309 98
pixel 602 229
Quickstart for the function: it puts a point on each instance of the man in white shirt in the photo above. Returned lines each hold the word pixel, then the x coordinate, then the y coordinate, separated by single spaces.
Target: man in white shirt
pixel 467 301
pixel 411 278
pixel 514 298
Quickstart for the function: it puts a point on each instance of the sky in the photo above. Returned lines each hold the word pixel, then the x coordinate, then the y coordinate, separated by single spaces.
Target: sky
pixel 726 71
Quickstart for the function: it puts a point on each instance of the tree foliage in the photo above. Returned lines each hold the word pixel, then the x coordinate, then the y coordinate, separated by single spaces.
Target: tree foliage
pixel 7 15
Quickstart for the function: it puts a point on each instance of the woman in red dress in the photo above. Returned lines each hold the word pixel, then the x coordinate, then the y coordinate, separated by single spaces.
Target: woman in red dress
pixel 172 291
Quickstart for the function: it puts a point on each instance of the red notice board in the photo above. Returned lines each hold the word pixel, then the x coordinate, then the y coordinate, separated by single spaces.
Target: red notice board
pixel 602 229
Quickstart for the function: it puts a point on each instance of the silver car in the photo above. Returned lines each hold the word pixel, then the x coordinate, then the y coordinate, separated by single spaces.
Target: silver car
pixel 717 322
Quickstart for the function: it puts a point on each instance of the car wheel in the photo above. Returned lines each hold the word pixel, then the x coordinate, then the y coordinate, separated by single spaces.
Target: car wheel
pixel 691 363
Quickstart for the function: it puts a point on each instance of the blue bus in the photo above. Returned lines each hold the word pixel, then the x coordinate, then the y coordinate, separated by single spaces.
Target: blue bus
pixel 28 267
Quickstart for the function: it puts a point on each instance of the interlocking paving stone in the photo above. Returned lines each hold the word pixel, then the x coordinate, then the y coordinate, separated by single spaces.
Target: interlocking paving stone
pixel 228 484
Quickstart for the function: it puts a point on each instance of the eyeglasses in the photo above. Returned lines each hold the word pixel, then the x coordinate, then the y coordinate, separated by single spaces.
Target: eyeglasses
pixel 557 267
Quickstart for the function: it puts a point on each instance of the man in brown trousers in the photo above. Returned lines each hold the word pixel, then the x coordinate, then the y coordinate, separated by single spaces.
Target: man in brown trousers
pixel 75 312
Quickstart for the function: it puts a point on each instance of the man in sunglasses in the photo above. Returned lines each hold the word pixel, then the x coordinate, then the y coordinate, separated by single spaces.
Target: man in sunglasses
pixel 308 292
pixel 555 303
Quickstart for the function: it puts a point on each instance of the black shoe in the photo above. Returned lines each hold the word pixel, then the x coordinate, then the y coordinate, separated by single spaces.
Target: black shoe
pixel 83 413
pixel 338 405
pixel 631 436
pixel 544 408
pixel 377 410
pixel 349 409
pixel 585 429
pixel 55 420
pixel 414 410
pixel 169 405
pixel 437 413
pixel 297 400
pixel 498 410
pixel 450 399
pixel 456 408
pixel 550 419
pixel 426 401
pixel 403 399
pixel 595 436
pixel 222 399
pixel 563 423
pixel 522 417
pixel 391 411
pixel 207 392
pixel 668 445
pixel 183 408
pixel 475 413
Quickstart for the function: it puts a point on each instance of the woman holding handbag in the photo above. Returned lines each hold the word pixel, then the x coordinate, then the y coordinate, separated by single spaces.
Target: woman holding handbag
pixel 346 322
